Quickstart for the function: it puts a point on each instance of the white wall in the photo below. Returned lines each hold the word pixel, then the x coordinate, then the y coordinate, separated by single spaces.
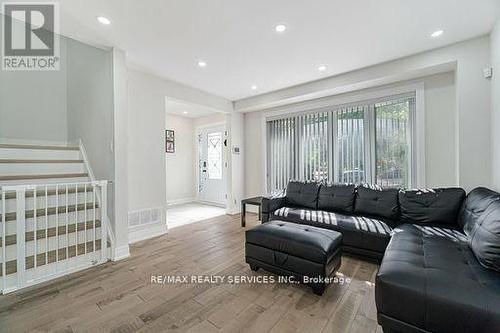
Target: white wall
pixel 91 85
pixel 181 165
pixel 146 149
pixel 33 103
pixel 440 151
pixel 440 121
pixel 236 162
pixel 495 106
pixel 120 150
pixel 254 154
pixel 474 114
pixel 90 104
pixel 472 100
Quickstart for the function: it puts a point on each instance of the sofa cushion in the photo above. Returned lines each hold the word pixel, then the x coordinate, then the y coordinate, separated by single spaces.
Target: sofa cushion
pixel 337 198
pixel 315 244
pixel 441 284
pixel 378 203
pixel 480 218
pixel 431 206
pixel 357 231
pixel 302 194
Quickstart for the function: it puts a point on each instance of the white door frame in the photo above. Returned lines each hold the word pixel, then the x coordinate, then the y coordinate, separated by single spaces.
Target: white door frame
pixel 198 129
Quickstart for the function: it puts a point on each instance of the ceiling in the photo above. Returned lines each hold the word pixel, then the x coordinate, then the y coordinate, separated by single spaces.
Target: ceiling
pixel 237 40
pixel 185 109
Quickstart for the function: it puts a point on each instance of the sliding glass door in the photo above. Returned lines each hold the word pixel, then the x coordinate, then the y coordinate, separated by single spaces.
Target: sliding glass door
pixel 369 142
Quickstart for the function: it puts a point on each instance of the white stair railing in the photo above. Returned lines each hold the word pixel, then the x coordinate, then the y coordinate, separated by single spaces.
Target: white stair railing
pixel 90 171
pixel 51 230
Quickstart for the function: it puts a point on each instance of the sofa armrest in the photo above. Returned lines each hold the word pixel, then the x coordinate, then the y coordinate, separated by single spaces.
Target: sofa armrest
pixel 270 204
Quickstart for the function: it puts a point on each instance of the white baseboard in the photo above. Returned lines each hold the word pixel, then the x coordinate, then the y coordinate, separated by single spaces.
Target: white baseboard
pixel 211 203
pixel 146 231
pixel 180 201
pixel 120 253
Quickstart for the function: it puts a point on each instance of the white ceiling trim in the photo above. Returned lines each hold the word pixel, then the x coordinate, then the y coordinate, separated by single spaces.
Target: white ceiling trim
pixel 193 110
pixel 327 93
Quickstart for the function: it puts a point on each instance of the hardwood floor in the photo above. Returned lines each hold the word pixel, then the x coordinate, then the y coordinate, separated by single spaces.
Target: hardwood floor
pixel 119 297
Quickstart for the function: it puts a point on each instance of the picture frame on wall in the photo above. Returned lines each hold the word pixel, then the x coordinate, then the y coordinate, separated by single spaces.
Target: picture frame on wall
pixel 170 135
pixel 169 141
pixel 170 147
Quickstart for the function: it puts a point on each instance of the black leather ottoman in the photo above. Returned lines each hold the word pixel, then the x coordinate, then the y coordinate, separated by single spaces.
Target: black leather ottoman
pixel 291 249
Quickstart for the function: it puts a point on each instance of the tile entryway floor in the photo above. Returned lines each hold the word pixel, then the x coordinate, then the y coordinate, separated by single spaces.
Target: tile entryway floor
pixel 178 215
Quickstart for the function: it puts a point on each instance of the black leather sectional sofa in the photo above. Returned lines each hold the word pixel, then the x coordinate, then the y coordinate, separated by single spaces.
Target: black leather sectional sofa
pixel 439 249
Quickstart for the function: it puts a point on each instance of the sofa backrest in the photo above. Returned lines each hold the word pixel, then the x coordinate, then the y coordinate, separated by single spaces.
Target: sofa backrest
pixel 378 203
pixel 480 219
pixel 431 206
pixel 302 194
pixel 337 198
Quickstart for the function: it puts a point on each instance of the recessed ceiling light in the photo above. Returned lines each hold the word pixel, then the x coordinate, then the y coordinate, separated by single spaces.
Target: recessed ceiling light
pixel 437 33
pixel 322 68
pixel 280 28
pixel 202 63
pixel 103 20
pixel 184 112
pixel 254 87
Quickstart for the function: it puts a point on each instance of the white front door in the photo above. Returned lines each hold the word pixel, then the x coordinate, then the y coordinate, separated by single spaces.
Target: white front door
pixel 211 165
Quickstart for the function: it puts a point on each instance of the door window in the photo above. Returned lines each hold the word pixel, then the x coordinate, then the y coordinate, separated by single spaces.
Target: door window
pixel 214 155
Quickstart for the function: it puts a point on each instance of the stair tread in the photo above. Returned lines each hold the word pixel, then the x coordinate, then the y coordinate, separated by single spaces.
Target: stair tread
pixel 50 211
pixel 38 147
pixel 44 176
pixel 41 161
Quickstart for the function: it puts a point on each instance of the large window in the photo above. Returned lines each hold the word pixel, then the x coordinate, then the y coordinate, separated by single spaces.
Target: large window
pixel 393 143
pixel 369 142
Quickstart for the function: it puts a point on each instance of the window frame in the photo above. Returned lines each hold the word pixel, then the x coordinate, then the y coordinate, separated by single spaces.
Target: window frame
pixel 372 96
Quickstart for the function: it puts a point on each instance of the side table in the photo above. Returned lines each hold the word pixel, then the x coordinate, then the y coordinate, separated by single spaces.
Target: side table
pixel 256 201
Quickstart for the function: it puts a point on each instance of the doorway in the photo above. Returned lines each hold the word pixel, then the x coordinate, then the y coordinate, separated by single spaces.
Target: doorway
pixel 195 163
pixel 211 165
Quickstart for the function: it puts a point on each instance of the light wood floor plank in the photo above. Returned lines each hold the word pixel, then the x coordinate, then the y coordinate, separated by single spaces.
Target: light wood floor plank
pixel 119 297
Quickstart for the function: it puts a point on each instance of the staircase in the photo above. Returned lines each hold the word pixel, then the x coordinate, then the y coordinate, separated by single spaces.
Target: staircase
pixel 28 164
pixel 53 216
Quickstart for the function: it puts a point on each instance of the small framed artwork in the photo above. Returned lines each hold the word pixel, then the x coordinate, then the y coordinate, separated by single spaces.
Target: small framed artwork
pixel 169 141
pixel 170 147
pixel 170 135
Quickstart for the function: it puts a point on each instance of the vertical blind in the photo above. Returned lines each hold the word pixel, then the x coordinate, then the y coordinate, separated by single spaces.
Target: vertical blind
pixel 369 142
